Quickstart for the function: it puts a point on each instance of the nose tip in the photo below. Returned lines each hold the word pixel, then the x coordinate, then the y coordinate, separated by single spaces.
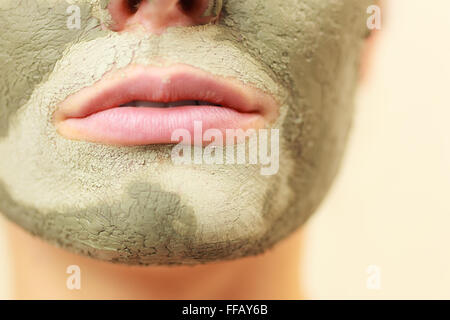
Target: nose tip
pixel 158 15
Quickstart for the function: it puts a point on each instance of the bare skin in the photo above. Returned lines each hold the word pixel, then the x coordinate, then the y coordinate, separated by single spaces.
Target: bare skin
pixel 40 273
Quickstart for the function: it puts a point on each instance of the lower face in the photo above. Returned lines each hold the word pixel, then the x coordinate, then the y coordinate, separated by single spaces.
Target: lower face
pixel 131 203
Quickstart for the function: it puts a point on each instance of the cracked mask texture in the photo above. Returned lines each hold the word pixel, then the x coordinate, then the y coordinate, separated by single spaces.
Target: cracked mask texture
pixel 132 204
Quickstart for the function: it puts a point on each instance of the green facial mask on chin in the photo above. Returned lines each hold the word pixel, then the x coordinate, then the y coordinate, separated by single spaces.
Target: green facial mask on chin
pixel 132 204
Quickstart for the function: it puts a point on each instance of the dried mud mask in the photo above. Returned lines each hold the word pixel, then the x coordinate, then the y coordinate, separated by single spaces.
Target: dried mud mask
pixel 132 204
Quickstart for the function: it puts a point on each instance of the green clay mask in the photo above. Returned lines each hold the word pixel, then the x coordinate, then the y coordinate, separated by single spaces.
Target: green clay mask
pixel 133 204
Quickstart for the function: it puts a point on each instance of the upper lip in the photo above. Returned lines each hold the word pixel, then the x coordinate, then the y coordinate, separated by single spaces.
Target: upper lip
pixel 165 84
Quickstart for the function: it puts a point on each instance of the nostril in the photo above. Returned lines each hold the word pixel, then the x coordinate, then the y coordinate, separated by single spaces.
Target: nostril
pixel 207 10
pixel 157 15
pixel 133 5
pixel 187 5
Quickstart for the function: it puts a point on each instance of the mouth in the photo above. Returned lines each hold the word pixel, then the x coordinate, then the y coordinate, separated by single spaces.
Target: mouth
pixel 143 105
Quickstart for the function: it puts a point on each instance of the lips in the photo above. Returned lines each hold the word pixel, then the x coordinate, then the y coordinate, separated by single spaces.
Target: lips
pixel 142 105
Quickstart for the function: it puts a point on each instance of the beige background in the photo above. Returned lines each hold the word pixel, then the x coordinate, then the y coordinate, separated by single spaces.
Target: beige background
pixel 390 206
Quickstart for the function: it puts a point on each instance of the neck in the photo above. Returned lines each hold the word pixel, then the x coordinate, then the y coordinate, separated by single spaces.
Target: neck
pixel 40 273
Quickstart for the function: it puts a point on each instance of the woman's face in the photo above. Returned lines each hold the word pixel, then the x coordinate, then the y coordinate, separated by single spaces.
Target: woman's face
pixel 105 185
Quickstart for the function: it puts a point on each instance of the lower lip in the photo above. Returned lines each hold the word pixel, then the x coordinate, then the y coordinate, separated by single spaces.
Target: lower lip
pixel 143 126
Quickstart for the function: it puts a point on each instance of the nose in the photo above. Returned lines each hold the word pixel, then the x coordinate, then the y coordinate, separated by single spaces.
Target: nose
pixel 157 15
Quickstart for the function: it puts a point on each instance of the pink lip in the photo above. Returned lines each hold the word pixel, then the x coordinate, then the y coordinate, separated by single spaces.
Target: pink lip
pixel 93 114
